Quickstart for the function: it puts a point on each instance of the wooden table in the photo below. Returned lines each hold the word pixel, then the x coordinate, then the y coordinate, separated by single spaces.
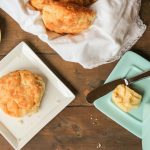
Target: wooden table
pixel 79 126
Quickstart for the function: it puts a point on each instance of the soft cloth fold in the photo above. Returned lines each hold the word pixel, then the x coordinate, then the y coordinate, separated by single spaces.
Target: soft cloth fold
pixel 116 29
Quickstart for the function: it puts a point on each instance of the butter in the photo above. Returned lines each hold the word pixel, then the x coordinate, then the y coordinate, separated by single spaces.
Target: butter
pixel 126 98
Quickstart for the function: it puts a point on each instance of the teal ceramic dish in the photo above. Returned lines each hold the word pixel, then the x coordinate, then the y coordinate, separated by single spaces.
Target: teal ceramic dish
pixel 130 65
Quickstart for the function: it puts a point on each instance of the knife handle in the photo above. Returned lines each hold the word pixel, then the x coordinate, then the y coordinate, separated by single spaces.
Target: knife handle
pixel 139 77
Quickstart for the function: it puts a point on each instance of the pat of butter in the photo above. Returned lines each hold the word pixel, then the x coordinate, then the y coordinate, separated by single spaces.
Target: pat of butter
pixel 126 98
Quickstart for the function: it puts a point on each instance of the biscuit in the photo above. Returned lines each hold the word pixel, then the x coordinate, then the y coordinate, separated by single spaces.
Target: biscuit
pixel 67 18
pixel 21 92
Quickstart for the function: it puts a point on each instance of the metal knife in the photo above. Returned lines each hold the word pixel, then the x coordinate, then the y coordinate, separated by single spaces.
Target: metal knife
pixel 106 88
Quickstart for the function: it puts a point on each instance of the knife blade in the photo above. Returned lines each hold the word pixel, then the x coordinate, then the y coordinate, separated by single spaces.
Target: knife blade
pixel 106 88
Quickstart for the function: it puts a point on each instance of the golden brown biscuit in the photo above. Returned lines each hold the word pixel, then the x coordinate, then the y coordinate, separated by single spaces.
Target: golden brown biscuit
pixel 66 17
pixel 21 92
pixel 126 98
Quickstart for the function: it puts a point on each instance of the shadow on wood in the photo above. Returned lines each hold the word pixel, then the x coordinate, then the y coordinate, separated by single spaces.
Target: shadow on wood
pixel 2 27
pixel 67 83
pixel 143 54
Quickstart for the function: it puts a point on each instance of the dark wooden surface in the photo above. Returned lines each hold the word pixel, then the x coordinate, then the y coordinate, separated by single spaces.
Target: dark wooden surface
pixel 80 126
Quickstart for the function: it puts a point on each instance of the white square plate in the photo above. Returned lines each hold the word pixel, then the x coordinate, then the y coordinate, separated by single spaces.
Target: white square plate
pixel 18 131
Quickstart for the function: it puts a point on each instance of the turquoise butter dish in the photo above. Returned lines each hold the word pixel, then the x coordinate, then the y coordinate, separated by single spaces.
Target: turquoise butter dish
pixel 129 65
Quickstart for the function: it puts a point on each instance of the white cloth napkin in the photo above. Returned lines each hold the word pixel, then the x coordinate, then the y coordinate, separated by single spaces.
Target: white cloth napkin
pixel 115 30
pixel 146 127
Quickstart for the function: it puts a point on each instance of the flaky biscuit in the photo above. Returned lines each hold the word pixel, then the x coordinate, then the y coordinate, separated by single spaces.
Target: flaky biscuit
pixel 67 18
pixel 21 92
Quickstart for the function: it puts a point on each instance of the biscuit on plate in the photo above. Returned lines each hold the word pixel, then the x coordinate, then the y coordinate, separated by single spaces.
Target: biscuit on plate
pixel 21 92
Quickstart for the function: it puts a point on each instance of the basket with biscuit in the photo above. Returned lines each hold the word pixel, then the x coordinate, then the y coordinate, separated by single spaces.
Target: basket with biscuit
pixel 87 32
pixel 65 16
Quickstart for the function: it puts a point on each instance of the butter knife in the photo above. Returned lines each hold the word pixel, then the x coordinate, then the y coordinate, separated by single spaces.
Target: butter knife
pixel 106 88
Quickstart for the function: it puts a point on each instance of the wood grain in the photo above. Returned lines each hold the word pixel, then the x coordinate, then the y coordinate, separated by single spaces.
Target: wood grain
pixel 81 128
pixel 73 129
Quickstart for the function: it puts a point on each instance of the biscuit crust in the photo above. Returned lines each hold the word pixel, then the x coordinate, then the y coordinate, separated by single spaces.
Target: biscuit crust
pixel 21 92
pixel 39 4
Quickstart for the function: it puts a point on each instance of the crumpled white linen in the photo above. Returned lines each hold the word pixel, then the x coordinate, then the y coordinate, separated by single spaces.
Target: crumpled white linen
pixel 115 30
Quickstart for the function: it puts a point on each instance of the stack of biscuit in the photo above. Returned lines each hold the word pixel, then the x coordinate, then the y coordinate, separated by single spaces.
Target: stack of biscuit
pixel 65 16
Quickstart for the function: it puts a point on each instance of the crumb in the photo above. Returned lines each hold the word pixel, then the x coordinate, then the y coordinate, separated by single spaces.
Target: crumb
pixel 91 117
pixel 99 145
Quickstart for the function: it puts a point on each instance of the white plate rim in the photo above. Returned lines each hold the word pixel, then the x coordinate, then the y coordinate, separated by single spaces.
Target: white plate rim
pixel 48 118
